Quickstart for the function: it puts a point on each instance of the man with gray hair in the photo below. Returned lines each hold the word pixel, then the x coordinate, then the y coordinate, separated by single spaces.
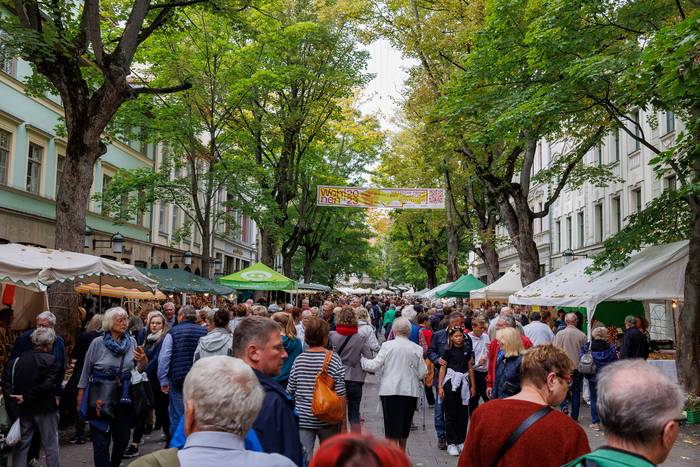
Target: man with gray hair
pixel 571 340
pixel 640 410
pixel 169 312
pixel 175 360
pixel 222 398
pixel 634 342
pixel 505 312
pixel 258 342
pixel 29 380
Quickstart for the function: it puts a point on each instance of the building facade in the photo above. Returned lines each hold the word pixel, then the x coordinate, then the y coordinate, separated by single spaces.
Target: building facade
pixel 31 159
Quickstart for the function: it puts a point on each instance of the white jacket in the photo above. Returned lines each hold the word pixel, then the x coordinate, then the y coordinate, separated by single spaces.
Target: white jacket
pixel 404 368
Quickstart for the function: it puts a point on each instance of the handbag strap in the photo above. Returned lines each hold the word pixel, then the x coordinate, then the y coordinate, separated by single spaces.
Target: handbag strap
pixel 345 342
pixel 527 423
pixel 326 361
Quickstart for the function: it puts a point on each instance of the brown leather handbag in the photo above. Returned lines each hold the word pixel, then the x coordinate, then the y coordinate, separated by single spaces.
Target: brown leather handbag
pixel 326 404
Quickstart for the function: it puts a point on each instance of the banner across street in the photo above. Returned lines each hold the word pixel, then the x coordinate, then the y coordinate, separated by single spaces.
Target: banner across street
pixel 370 197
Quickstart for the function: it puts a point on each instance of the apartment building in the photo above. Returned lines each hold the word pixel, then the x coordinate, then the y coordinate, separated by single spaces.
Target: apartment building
pixel 581 219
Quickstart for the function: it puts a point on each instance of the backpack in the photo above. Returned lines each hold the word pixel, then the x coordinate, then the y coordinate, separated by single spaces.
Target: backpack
pixel 586 364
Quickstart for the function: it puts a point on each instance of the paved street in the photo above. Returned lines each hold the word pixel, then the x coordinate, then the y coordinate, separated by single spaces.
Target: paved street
pixel 421 444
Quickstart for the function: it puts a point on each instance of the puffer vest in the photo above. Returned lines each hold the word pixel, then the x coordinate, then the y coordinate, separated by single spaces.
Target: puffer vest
pixel 185 339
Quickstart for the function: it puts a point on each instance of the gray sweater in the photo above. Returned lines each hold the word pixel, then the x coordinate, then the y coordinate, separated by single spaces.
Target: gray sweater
pixel 358 346
pixel 99 357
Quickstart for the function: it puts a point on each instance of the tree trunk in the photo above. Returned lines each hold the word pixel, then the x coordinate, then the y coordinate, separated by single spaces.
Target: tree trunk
pixel 431 272
pixel 308 266
pixel 490 258
pixel 72 200
pixel 287 265
pixel 452 242
pixel 206 252
pixel 688 345
pixel 267 248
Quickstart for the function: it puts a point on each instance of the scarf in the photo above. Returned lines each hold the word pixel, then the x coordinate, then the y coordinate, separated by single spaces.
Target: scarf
pixel 154 336
pixel 118 348
pixel 344 330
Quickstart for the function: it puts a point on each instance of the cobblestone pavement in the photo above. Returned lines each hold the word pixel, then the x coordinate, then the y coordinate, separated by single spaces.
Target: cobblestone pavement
pixel 421 443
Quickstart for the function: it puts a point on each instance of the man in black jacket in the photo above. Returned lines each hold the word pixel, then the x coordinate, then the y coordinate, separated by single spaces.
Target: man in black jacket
pixel 634 342
pixel 258 342
pixel 28 380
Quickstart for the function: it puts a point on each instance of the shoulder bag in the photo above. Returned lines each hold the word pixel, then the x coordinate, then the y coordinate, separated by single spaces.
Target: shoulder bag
pixel 326 405
pixel 522 428
pixel 586 364
pixel 103 396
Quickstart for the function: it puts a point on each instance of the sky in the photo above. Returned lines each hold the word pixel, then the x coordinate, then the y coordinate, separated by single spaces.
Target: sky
pixel 383 94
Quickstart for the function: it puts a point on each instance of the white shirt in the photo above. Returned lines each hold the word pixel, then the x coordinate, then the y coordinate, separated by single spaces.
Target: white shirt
pixel 480 346
pixel 404 367
pixel 539 333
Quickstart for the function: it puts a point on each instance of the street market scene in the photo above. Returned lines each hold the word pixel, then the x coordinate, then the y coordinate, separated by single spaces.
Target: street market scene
pixel 340 233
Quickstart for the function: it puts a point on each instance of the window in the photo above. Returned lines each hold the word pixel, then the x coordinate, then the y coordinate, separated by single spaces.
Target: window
pixel 670 183
pixel 636 144
pixel 616 214
pixel 569 243
pixel 5 139
pixel 581 230
pixel 143 147
pixel 106 180
pixel 244 228
pixel 637 199
pixel 175 220
pixel 598 222
pixel 617 145
pixel 8 63
pixel 140 264
pixel 34 159
pixel 139 201
pixel 60 161
pixel 599 155
pixel 670 122
pixel 557 236
pixel 162 217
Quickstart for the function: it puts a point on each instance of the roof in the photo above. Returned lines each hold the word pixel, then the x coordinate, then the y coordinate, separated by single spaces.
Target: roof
pixel 181 281
pixel 258 277
pixel 461 287
pixel 506 285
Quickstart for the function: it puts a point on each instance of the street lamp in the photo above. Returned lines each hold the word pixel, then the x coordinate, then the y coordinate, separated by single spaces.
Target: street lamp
pixel 187 257
pixel 88 233
pixel 116 242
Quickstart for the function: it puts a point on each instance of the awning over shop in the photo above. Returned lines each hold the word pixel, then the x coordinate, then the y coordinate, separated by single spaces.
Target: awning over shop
pixel 461 287
pixel 181 281
pixel 500 289
pixel 119 292
pixel 258 277
pixel 352 291
pixel 38 268
pixel 655 273
pixel 303 288
pixel 383 292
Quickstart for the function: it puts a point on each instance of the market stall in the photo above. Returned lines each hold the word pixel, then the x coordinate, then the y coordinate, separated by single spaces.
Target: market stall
pixel 430 294
pixel 383 292
pixel 257 277
pixel 498 290
pixel 461 287
pixel 178 281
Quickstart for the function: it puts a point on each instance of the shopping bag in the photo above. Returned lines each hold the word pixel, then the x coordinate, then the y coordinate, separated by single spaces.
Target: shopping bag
pixel 14 435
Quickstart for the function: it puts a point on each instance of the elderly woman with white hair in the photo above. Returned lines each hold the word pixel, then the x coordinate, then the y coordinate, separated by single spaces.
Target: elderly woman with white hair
pixel 103 390
pixel 415 335
pixel 401 383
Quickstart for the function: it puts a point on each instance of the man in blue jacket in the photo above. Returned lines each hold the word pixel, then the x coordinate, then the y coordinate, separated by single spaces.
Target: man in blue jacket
pixel 258 342
pixel 437 346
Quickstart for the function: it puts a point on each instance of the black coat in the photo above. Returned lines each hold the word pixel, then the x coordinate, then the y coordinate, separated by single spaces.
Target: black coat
pixel 34 376
pixel 634 344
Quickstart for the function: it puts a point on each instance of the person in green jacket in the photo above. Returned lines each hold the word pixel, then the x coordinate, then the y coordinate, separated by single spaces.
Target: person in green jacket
pixel 640 410
pixel 389 316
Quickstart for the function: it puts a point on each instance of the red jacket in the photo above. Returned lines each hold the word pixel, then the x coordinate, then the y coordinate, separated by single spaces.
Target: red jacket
pixel 493 355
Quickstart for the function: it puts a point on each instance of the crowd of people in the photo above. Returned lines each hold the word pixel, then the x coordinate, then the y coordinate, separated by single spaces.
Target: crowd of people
pixel 264 383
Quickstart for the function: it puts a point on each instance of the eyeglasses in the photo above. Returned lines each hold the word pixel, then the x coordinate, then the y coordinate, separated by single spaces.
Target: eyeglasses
pixel 566 378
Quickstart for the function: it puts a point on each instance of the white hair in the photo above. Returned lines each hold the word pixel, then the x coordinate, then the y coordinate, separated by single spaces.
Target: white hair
pixel 599 332
pixel 408 312
pixel 636 400
pixel 110 315
pixel 48 316
pixel 401 327
pixel 43 337
pixel 226 394
pixel 307 313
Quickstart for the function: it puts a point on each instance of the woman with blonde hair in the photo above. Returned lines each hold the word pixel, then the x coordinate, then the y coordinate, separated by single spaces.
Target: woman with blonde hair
pixel 510 356
pixel 292 345
pixel 365 328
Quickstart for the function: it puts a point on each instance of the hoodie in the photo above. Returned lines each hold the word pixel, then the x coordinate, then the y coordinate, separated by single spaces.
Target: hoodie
pixel 603 353
pixel 277 424
pixel 218 342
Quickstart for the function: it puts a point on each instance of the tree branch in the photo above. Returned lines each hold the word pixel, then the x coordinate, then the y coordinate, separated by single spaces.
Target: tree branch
pixel 167 90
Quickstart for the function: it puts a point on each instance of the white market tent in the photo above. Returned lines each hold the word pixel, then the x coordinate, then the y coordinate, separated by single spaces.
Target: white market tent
pixel 351 291
pixel 654 274
pixel 383 292
pixel 430 294
pixel 500 289
pixel 30 270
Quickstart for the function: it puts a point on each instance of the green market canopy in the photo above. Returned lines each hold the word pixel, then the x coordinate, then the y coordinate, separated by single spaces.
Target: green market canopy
pixel 258 277
pixel 461 287
pixel 181 281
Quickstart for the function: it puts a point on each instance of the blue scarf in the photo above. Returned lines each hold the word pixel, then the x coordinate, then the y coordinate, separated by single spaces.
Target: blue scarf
pixel 118 348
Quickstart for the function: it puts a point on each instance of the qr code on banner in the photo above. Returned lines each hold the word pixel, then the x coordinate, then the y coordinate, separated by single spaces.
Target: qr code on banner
pixel 436 196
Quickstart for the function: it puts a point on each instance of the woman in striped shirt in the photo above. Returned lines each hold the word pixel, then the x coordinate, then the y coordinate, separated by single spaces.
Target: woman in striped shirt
pixel 302 380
